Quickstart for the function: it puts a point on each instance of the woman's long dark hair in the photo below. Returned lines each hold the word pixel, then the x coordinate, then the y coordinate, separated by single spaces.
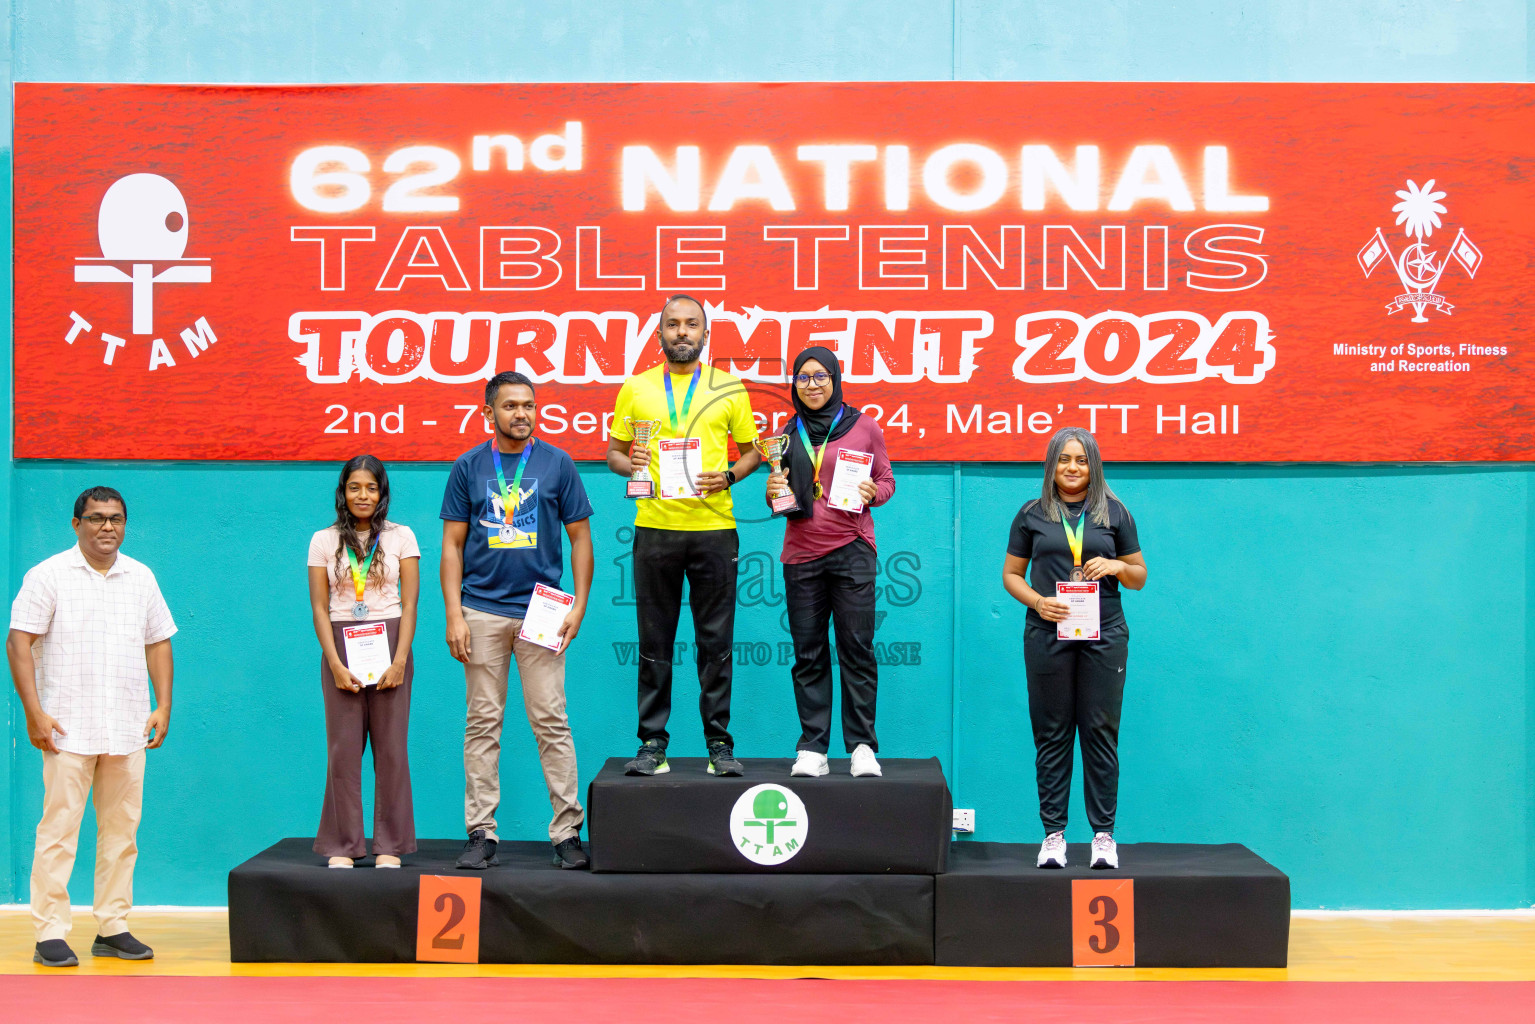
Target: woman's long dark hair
pixel 346 523
pixel 1099 494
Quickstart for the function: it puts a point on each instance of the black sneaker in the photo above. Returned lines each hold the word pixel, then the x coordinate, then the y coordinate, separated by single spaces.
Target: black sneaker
pixel 570 855
pixel 122 945
pixel 479 852
pixel 651 760
pixel 722 759
pixel 55 953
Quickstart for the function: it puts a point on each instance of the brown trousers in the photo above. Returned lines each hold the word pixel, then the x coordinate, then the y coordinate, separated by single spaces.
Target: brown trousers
pixel 352 720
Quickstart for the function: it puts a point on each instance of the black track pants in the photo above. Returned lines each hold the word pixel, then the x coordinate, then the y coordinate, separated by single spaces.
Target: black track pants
pixel 835 589
pixel 1076 687
pixel 707 559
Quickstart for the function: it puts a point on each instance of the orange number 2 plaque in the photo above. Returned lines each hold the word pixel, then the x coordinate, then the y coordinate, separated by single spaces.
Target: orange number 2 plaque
pixel 1103 923
pixel 448 920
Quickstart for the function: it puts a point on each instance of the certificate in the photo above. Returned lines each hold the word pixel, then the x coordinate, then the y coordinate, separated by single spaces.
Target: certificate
pixel 852 469
pixel 367 651
pixel 546 612
pixel 681 462
pixel 1081 621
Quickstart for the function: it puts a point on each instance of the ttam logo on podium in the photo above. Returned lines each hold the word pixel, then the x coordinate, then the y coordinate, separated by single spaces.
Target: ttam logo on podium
pixel 768 824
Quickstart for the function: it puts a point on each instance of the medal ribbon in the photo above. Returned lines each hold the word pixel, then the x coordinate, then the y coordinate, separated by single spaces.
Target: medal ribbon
pixel 360 573
pixel 687 403
pixel 816 457
pixel 506 496
pixel 1074 539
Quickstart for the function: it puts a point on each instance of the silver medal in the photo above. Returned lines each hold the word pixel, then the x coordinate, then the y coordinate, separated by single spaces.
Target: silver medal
pixel 508 533
pixel 360 610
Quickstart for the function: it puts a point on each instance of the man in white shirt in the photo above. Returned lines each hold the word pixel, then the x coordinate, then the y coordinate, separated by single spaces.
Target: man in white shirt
pixel 89 632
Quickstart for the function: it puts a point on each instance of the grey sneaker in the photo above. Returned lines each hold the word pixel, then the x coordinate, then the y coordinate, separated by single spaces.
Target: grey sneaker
pixel 651 760
pixel 569 855
pixel 122 945
pixel 722 759
pixel 55 953
pixel 479 852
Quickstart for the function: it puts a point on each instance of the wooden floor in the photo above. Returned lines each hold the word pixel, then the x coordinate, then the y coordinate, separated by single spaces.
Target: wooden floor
pixel 1334 948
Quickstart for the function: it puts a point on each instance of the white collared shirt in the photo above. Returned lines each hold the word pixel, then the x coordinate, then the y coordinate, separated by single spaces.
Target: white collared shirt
pixel 92 676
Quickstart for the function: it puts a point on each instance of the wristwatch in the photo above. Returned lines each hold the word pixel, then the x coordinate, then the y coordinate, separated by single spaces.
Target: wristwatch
pixel 730 477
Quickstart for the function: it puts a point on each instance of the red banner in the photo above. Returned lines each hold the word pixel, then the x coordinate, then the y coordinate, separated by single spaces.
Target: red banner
pixel 1194 271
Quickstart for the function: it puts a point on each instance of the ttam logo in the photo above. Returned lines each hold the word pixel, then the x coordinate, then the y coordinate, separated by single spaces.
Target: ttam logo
pixel 143 227
pixel 768 824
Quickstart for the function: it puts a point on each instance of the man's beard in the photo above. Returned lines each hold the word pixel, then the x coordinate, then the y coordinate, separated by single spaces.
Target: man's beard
pixel 680 351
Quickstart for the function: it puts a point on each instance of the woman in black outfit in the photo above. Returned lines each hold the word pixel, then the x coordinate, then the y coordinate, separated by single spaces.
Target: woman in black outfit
pixel 1076 529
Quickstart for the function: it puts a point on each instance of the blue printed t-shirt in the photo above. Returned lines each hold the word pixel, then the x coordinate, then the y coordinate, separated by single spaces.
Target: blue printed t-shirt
pixel 502 566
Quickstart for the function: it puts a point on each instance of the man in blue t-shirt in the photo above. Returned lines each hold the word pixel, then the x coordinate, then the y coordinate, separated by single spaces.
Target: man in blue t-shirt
pixel 502 512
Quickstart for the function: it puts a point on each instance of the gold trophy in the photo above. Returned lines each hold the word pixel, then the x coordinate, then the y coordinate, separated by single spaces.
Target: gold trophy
pixel 641 485
pixel 772 449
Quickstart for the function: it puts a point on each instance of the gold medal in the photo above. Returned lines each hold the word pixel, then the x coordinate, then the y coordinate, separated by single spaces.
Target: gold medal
pixel 815 455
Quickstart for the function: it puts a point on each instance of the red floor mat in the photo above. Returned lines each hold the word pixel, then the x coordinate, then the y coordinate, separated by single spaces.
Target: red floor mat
pixel 159 1000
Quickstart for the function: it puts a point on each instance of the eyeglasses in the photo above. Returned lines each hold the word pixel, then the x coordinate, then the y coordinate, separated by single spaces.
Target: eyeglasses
pixel 818 378
pixel 99 521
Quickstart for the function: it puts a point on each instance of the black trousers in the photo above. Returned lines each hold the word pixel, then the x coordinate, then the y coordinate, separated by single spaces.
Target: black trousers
pixel 1076 687
pixel 707 560
pixel 838 586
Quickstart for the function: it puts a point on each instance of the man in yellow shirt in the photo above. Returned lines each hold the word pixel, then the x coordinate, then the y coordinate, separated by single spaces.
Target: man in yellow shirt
pixel 688 528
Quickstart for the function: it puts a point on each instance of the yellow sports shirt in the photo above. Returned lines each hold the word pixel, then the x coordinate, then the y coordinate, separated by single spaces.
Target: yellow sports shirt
pixel 720 410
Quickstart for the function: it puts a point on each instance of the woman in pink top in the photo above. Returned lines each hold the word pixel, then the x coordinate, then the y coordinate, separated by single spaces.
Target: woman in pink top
pixel 365 570
pixel 829 562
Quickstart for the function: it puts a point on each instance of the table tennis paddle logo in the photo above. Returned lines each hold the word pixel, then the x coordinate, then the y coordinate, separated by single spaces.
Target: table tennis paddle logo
pixel 1420 267
pixel 143 228
pixel 768 824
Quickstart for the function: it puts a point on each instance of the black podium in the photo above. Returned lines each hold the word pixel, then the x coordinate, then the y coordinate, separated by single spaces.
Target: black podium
pixel 1194 906
pixel 767 869
pixel 285 906
pixel 680 822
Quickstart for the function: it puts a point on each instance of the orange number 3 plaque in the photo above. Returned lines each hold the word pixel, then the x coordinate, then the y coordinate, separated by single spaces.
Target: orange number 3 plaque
pixel 1103 923
pixel 448 920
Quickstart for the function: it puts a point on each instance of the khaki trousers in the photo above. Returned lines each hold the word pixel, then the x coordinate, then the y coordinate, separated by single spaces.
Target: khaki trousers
pixel 117 784
pixel 493 643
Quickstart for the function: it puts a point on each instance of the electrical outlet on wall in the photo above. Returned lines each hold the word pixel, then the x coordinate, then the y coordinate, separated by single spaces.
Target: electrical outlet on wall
pixel 964 819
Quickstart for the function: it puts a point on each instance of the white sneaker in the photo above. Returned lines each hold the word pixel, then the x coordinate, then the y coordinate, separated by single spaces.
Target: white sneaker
pixel 809 764
pixel 864 762
pixel 1052 852
pixel 340 862
pixel 1105 851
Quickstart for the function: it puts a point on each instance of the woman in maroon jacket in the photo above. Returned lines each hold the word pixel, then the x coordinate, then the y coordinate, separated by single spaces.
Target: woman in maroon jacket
pixel 829 562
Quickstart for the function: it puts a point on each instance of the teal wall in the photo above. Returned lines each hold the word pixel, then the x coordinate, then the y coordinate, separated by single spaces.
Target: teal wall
pixel 1331 664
